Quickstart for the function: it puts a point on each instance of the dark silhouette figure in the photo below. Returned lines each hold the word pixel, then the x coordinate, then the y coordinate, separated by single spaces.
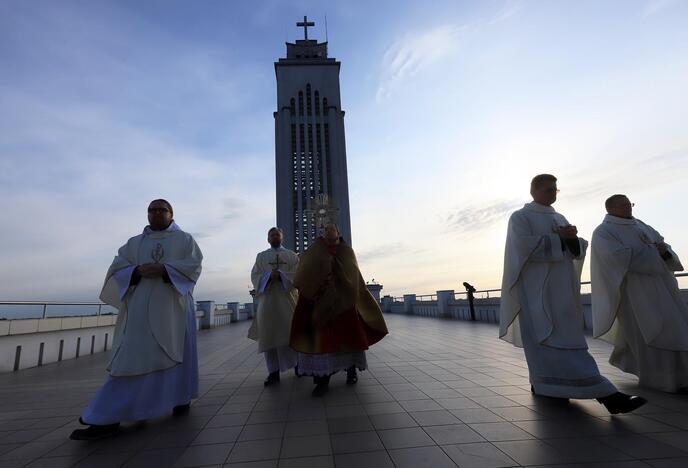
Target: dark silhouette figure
pixel 469 292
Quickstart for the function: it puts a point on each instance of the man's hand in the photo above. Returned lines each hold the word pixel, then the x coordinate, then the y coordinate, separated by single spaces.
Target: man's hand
pixel 151 270
pixel 567 232
pixel 662 247
pixel 275 275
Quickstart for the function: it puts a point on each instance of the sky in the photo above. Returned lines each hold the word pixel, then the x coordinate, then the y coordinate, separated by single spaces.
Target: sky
pixel 451 108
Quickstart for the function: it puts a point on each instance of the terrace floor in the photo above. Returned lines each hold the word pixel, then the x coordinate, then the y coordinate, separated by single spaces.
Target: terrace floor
pixel 438 393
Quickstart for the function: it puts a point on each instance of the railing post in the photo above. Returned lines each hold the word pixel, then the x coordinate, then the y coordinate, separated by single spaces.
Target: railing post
pixel 409 300
pixel 208 308
pixel 443 298
pixel 45 309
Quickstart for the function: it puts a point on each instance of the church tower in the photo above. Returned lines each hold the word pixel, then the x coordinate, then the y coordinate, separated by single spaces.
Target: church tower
pixel 310 150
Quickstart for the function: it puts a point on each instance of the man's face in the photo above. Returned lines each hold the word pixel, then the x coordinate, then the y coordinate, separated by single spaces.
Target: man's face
pixel 275 238
pixel 159 216
pixel 622 207
pixel 331 232
pixel 545 193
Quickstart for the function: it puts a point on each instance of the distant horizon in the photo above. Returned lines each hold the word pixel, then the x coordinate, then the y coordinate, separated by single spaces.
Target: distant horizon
pixel 451 108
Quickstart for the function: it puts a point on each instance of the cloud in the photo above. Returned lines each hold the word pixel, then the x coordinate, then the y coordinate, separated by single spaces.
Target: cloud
pixel 391 249
pixel 507 11
pixel 477 218
pixel 413 53
pixel 597 182
pixel 654 6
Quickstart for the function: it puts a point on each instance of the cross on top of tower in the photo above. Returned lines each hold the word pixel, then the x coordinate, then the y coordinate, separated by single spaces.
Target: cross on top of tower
pixel 304 24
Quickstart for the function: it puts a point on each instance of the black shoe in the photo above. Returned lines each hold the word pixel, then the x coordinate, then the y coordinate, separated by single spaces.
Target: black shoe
pixel 181 409
pixel 621 403
pixel 94 432
pixel 351 377
pixel 322 385
pixel 320 390
pixel 272 379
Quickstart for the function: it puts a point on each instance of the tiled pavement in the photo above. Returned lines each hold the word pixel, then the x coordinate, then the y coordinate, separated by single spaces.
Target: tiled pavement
pixel 438 394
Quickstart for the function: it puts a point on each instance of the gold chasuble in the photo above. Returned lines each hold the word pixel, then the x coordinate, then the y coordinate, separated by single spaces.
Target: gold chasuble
pixel 335 311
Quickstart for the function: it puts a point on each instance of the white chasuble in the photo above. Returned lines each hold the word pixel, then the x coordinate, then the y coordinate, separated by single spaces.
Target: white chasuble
pixel 151 325
pixel 637 305
pixel 540 307
pixel 542 278
pixel 276 298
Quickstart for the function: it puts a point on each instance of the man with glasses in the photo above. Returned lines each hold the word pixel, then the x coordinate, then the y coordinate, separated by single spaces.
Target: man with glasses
pixel 636 303
pixel 153 366
pixel 540 308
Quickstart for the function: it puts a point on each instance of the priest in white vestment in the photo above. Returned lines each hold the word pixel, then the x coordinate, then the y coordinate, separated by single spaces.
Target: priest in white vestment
pixel 636 303
pixel 153 366
pixel 540 308
pixel 272 277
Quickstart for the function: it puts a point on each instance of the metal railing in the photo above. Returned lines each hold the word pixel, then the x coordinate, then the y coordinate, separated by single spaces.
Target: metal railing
pixel 487 292
pixel 44 305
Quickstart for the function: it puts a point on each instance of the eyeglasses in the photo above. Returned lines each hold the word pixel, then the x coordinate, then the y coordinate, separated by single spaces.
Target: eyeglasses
pixel 551 190
pixel 158 210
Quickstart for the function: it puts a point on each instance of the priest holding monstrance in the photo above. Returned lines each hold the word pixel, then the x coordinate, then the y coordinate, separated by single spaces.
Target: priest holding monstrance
pixel 336 318
pixel 153 366
pixel 272 277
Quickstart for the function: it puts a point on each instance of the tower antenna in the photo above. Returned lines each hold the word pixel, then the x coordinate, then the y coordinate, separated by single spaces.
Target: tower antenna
pixel 326 39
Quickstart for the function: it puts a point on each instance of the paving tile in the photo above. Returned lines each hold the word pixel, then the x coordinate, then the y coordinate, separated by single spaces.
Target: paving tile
pixel 162 458
pixel 668 462
pixel 420 405
pixel 262 431
pixel 223 420
pixel 500 431
pixel 392 421
pixel 307 462
pixel 434 418
pixel 199 455
pixel 383 408
pixel 356 442
pixel 421 457
pixel 376 459
pixel 305 428
pixel 457 403
pixel 104 460
pixel 476 415
pixel 217 435
pixel 307 446
pixel 350 424
pixel 453 434
pixel 254 464
pixel 254 450
pixel 405 437
pixel 478 455
pixel 640 446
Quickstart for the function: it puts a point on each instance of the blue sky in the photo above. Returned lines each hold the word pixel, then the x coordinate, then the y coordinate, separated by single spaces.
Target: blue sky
pixel 451 107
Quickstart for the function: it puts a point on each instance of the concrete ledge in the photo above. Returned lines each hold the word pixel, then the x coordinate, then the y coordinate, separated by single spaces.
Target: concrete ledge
pixel 46 325
pixel 50 324
pixel 20 327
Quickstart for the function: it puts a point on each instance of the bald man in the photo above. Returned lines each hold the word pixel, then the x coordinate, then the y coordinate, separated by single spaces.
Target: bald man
pixel 636 302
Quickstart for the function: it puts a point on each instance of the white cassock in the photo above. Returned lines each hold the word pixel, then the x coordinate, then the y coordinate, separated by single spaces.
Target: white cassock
pixel 637 305
pixel 276 301
pixel 540 308
pixel 154 364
